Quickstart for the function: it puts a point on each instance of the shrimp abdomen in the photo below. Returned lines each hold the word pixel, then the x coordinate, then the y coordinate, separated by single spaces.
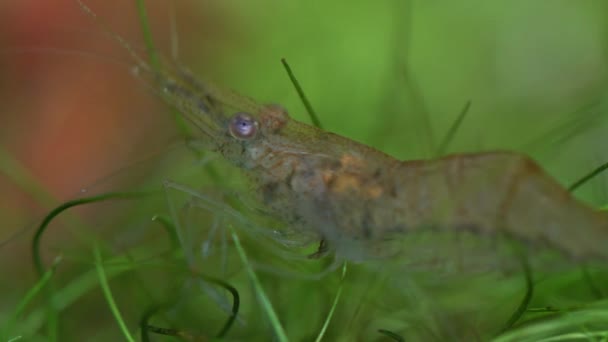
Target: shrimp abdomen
pixel 498 193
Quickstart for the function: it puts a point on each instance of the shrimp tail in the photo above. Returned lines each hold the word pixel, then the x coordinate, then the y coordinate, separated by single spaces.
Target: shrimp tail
pixel 538 208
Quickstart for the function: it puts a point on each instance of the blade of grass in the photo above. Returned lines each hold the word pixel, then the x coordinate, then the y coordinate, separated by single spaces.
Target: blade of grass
pixel 236 302
pixel 169 228
pixel 525 302
pixel 543 310
pixel 29 296
pixel 413 88
pixel 77 288
pixel 274 319
pixel 105 287
pixel 311 112
pixel 391 335
pixel 578 122
pixel 145 327
pixel 586 336
pixel 144 24
pixel 587 278
pixel 449 136
pixel 586 178
pixel 334 305
pixel 52 319
pixel 69 204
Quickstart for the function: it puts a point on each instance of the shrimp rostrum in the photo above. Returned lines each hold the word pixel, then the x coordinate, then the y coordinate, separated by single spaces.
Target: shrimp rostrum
pixel 356 198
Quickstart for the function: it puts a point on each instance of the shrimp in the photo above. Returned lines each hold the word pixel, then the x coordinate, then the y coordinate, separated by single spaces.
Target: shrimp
pixel 355 198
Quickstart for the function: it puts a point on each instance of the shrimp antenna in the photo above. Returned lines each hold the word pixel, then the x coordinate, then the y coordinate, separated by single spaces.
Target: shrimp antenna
pixel 173 28
pixel 155 65
pixel 153 54
pixel 311 112
pixel 449 136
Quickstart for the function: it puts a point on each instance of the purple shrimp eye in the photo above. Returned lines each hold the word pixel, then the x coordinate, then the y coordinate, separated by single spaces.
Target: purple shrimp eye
pixel 243 126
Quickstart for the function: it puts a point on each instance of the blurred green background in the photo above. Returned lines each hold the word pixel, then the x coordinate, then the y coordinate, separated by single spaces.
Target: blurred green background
pixel 391 74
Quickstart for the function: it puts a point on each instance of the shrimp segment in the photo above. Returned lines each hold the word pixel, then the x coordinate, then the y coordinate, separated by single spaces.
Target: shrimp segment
pixel 355 197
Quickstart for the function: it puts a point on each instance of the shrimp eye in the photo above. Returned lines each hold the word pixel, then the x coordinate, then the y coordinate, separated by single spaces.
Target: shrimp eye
pixel 243 126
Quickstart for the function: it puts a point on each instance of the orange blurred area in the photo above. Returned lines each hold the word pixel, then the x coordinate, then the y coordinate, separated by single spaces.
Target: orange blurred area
pixel 72 112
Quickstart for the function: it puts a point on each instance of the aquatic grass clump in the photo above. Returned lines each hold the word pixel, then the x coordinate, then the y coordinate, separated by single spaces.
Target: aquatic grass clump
pixel 137 276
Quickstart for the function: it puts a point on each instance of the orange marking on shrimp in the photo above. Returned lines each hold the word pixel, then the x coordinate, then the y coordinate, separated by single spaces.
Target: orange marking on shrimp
pixel 349 161
pixel 345 183
pixel 374 191
pixel 273 117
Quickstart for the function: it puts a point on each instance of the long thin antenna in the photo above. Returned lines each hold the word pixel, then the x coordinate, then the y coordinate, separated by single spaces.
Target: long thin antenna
pixel 147 34
pixel 173 31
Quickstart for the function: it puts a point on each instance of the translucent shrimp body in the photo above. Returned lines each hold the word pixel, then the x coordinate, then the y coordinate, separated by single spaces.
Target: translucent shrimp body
pixel 357 198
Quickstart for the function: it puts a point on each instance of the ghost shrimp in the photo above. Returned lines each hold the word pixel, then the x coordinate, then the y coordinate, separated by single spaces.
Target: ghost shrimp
pixel 355 197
